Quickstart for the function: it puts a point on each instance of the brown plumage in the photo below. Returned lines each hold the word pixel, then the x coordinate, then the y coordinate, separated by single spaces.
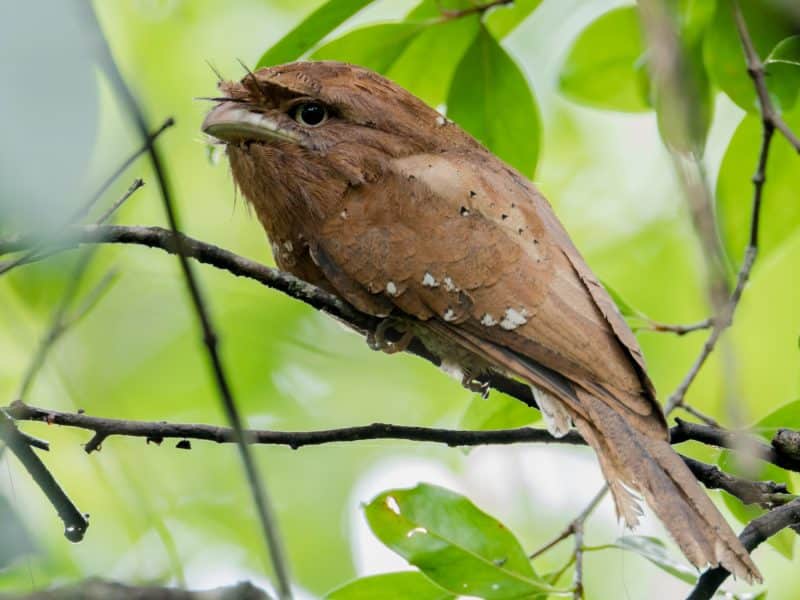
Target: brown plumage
pixel 366 191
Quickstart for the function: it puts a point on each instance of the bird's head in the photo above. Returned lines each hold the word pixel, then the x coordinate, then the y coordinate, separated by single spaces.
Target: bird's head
pixel 299 134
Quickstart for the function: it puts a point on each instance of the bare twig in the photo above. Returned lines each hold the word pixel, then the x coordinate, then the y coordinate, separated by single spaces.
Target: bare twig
pixel 75 522
pixel 755 68
pixel 137 183
pixel 766 494
pixel 677 329
pixel 756 532
pixel 575 528
pixel 210 338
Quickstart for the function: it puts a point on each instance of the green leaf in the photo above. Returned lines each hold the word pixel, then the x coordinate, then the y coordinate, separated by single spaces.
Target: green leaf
pixel 497 412
pixel 454 543
pixel 310 31
pixel 491 99
pixel 375 47
pixel 780 211
pixel 439 48
pixel 605 66
pixel 767 24
pixel 654 550
pixel 504 19
pixel 391 586
pixel 783 72
pixel 787 416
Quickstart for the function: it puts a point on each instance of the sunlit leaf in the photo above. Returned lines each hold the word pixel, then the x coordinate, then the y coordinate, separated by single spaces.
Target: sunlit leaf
pixel 491 99
pixel 504 19
pixel 780 212
pixel 311 30
pixel 605 65
pixel 376 47
pixel 722 47
pixel 433 10
pixel 787 416
pixel 427 64
pixel 391 586
pixel 454 543
pixel 783 71
pixel 654 550
pixel 497 412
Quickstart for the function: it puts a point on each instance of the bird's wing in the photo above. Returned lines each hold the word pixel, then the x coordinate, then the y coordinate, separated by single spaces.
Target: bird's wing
pixel 473 249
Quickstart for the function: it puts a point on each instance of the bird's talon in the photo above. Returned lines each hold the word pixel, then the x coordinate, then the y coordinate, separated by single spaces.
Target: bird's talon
pixel 377 340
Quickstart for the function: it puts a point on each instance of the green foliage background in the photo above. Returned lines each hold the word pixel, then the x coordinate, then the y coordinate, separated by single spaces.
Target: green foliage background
pixel 567 105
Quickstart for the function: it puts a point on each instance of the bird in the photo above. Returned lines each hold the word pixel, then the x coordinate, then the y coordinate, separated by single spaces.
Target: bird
pixel 369 193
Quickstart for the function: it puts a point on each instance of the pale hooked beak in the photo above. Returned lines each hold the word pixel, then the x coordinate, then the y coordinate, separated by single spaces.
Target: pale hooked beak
pixel 232 122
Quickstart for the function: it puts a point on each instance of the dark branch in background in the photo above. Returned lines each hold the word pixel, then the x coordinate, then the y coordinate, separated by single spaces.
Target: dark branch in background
pixel 756 532
pixel 210 338
pixel 765 493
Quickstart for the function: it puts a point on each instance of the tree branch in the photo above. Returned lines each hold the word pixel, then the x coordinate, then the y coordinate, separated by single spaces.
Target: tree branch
pixel 765 493
pixel 756 532
pixel 163 239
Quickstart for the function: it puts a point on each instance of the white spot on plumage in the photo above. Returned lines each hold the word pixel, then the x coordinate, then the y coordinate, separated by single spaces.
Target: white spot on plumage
pixel 429 280
pixel 391 288
pixel 488 320
pixel 288 246
pixel 514 318
pixel 440 120
pixel 449 285
pixel 449 315
pixel 343 214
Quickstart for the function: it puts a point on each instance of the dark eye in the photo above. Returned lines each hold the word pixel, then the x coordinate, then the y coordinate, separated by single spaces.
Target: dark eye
pixel 310 114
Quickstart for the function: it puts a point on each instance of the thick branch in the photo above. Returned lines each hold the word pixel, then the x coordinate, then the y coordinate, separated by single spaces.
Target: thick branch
pixel 157 237
pixel 779 453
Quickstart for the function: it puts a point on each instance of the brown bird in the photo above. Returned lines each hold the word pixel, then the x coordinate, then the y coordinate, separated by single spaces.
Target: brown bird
pixel 367 192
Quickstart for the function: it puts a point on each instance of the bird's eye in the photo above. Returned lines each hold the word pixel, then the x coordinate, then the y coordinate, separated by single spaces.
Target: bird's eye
pixel 310 114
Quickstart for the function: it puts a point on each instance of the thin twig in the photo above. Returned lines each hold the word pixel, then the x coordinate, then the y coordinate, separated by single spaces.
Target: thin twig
pixel 725 318
pixel 260 497
pixel 137 183
pixel 677 329
pixel 756 532
pixel 755 68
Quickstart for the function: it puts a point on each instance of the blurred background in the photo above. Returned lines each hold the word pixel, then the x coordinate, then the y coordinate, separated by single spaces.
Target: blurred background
pixel 159 514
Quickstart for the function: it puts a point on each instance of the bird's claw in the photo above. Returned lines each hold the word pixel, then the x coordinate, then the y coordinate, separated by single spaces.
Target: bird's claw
pixel 377 340
pixel 475 385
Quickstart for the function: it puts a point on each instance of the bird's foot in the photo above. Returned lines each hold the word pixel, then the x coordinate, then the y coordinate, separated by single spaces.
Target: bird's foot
pixel 475 385
pixel 377 340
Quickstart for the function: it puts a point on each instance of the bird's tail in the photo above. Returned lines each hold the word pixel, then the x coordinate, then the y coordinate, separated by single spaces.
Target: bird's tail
pixel 635 462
